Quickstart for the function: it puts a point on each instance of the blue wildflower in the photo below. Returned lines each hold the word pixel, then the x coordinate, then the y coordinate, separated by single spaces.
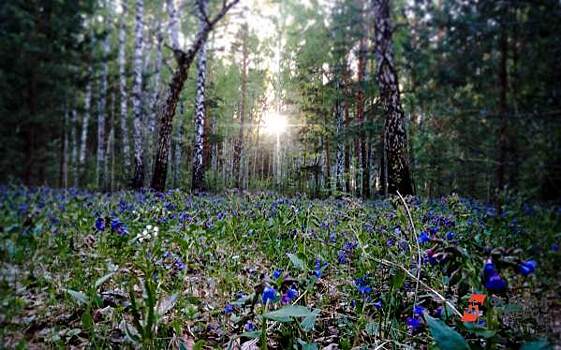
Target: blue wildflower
pixel 493 281
pixel 527 267
pixel 100 224
pixel 450 235
pixel 418 310
pixel 269 294
pixel 342 257
pixel 228 309
pixel 249 326
pixel 319 267
pixel 362 285
pixel 378 304
pixel 290 295
pixel 423 238
pixel 555 247
pixel 119 227
pixel 276 274
pixel 414 323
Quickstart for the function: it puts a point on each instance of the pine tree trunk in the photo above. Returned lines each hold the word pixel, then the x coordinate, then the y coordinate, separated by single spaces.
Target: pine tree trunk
pixel 240 141
pixel 197 182
pixel 138 179
pixel 85 122
pixel 395 134
pixel 100 164
pixel 123 89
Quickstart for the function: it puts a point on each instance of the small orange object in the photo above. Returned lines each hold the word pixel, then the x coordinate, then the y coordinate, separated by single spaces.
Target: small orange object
pixel 477 298
pixel 471 314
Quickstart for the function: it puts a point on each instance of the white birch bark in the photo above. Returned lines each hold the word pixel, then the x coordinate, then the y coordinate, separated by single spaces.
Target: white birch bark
pixel 123 88
pixel 85 121
pixel 138 180
pixel 101 116
pixel 197 182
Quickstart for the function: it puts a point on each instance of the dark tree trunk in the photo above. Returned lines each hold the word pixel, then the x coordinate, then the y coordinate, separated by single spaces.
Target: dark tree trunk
pixel 395 134
pixel 361 152
pixel 503 111
pixel 347 173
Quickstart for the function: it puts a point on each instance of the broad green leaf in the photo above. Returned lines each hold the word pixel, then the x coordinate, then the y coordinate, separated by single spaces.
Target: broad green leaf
pixel 538 344
pixel 309 321
pixel 296 261
pixel 445 337
pixel 252 335
pixel 287 313
pixel 103 279
pixel 80 297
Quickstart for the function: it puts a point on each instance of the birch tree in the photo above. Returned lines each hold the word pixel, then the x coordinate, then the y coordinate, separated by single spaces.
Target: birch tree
pixel 197 182
pixel 85 121
pixel 167 112
pixel 138 179
pixel 123 88
pixel 396 158
pixel 101 115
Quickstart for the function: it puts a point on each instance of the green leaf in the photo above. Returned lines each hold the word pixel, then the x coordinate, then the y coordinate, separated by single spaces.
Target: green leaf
pixel 309 321
pixel 80 297
pixel 538 344
pixel 309 346
pixel 199 345
pixel 287 313
pixel 296 261
pixel 445 337
pixel 252 335
pixel 103 279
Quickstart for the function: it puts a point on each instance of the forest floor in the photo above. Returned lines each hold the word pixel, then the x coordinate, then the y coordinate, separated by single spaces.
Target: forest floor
pixel 257 271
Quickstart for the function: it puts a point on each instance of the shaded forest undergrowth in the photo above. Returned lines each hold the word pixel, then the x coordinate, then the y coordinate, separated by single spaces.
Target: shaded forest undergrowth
pixel 257 270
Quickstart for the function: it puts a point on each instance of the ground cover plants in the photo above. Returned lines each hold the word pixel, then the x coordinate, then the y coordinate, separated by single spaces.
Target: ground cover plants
pixel 171 270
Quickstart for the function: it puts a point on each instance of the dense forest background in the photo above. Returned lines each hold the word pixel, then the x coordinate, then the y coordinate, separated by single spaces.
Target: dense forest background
pixel 83 83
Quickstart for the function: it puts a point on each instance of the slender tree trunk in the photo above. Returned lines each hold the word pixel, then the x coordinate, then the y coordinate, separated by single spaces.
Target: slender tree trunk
pixel 85 123
pixel 100 165
pixel 138 179
pixel 240 141
pixel 197 181
pixel 64 151
pixel 173 24
pixel 167 112
pixel 123 89
pixel 395 133
pixel 74 145
pixel 339 162
pixel 347 173
pixel 107 180
pixel 361 151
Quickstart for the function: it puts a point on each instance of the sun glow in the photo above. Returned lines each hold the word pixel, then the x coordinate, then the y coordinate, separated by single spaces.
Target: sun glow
pixel 275 123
